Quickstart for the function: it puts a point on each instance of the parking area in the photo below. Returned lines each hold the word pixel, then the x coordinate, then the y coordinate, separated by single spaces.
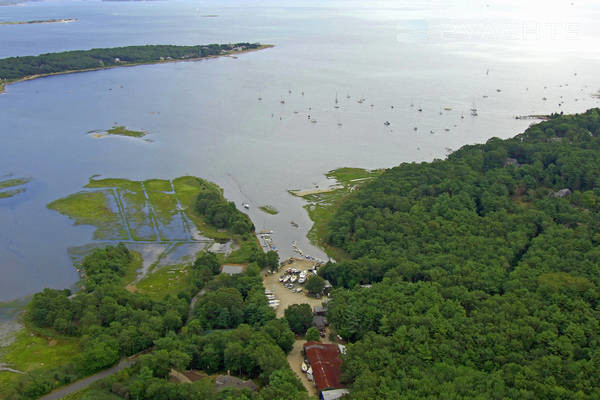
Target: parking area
pixel 293 293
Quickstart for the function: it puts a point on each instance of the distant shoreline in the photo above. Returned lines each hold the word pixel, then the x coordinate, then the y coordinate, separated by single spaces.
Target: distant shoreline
pixel 227 54
pixel 43 21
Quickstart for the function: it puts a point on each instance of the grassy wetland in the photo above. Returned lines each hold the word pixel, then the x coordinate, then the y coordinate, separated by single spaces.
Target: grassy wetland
pixel 322 203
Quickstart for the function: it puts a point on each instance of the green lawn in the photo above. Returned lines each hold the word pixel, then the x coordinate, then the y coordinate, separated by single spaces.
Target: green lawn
pixel 30 351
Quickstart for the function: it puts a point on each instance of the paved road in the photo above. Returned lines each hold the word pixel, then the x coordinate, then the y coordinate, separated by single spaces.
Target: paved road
pixel 85 382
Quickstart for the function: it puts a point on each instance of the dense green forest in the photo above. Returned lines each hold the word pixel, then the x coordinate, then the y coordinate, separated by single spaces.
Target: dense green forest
pixel 485 271
pixel 15 68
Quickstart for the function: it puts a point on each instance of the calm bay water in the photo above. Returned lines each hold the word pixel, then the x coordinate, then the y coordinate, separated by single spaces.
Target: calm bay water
pixel 205 118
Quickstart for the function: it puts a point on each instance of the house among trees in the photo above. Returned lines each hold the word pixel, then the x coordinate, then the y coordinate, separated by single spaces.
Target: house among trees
pixel 328 287
pixel 233 269
pixel 511 161
pixel 325 361
pixel 561 193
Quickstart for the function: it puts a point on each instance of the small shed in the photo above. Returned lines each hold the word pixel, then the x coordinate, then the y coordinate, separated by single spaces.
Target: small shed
pixel 233 269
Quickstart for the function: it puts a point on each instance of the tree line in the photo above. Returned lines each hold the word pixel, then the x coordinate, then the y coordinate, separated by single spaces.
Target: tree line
pixel 14 68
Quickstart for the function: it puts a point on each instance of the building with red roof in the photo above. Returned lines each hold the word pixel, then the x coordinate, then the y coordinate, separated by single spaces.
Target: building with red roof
pixel 326 363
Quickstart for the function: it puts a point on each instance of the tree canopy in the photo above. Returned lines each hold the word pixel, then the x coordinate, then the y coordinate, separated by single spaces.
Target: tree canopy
pixel 299 316
pixel 485 271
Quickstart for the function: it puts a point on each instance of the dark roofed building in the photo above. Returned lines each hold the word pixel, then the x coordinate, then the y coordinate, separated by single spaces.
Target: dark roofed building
pixel 325 362
pixel 319 322
pixel 223 382
pixel 320 310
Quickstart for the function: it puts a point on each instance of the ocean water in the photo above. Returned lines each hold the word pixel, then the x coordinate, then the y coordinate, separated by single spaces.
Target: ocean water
pixel 205 118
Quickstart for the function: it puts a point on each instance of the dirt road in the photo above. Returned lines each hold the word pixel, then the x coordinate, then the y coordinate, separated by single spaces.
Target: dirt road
pixel 287 298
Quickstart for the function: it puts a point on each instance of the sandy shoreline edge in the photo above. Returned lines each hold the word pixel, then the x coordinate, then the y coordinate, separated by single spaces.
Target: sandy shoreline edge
pixel 229 54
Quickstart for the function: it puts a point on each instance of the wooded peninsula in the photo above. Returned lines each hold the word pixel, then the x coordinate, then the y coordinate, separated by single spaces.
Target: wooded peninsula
pixel 40 21
pixel 16 69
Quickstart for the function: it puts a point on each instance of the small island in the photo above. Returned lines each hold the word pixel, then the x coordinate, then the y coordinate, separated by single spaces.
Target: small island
pixel 17 69
pixel 269 209
pixel 122 131
pixel 39 21
pixel 10 187
pixel 119 131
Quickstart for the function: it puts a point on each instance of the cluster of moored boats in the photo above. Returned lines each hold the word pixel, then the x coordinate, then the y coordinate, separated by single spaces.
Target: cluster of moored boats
pixel 293 275
pixel 273 301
